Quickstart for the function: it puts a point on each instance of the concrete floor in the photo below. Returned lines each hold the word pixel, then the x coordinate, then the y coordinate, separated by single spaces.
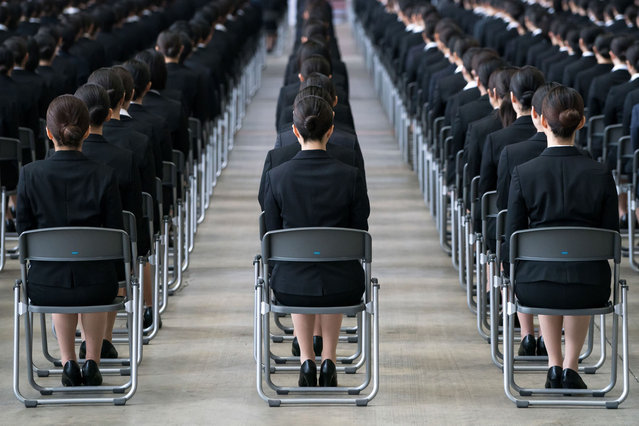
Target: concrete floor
pixel 435 369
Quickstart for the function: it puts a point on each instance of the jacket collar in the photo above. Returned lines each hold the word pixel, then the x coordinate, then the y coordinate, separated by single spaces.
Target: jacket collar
pixel 310 154
pixel 96 138
pixel 67 156
pixel 525 120
pixel 561 151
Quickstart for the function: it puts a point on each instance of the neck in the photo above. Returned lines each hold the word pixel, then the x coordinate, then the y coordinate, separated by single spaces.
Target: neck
pixel 308 145
pixel 96 130
pixel 171 60
pixel 137 101
pixel 115 114
pixel 556 141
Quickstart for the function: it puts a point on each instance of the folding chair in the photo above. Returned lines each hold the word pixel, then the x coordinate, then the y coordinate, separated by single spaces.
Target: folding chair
pixel 595 133
pixel 473 250
pixel 317 245
pixel 568 244
pixel 27 141
pixel 632 206
pixel 10 150
pixel 487 258
pixel 74 244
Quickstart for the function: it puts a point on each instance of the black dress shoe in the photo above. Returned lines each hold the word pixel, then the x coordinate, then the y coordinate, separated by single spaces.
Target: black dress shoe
pixel 148 318
pixel 570 379
pixel 623 222
pixel 71 375
pixel 528 346
pixel 308 374
pixel 541 347
pixel 91 375
pixel 328 374
pixel 553 378
pixel 295 347
pixel 10 226
pixel 107 350
pixel 318 345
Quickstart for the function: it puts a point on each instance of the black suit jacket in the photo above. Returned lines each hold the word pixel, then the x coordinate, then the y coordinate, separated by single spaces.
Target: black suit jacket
pixel 277 156
pixel 600 87
pixel 475 138
pixel 574 68
pixel 314 189
pixel 614 106
pixel 173 114
pixel 561 187
pixel 339 137
pixel 68 189
pixel 584 78
pixel 514 155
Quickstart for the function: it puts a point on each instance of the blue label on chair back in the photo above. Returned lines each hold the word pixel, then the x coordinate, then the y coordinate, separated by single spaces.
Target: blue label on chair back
pixel 564 253
pixel 75 252
pixel 317 253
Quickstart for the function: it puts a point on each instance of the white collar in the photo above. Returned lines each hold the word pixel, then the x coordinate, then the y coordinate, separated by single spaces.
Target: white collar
pixel 458 69
pixel 220 27
pixel 619 67
pixel 537 31
pixel 587 54
pixel 3 27
pixel 124 113
pixel 470 85
pixel 132 19
pixel 634 76
pixel 155 91
pixel 563 49
pixel 512 26
pixel 430 45
pixel 418 29
pixel 409 28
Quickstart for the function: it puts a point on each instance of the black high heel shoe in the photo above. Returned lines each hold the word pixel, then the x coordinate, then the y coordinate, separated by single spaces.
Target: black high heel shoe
pixel 71 375
pixel 91 375
pixel 308 374
pixel 553 378
pixel 570 379
pixel 528 346
pixel 328 374
pixel 318 345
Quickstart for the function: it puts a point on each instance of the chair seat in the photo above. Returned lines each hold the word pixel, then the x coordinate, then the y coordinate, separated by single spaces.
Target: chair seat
pixel 348 310
pixel 116 305
pixel 609 308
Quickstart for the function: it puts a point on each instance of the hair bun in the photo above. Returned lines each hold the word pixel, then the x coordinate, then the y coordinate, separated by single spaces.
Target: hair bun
pixel 569 117
pixel 310 123
pixel 71 134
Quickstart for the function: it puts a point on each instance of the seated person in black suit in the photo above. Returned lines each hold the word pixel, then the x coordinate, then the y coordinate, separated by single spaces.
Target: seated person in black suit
pixel 562 187
pixel 91 198
pixel 314 189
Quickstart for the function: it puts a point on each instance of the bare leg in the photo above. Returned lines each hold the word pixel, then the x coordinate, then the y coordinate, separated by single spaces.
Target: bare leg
pixel 576 329
pixel 94 327
pixel 623 204
pixel 65 326
pixel 526 324
pixel 303 325
pixel 317 330
pixel 551 328
pixel 331 324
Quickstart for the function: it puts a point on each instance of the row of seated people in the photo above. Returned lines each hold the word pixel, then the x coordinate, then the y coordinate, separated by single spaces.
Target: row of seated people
pixel 517 133
pixel 110 138
pixel 315 177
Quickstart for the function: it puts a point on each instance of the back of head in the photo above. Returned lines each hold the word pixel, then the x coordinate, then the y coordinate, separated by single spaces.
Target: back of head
pixel 34 55
pixel 127 81
pixel 524 83
pixel 313 91
pixel 46 45
pixel 486 68
pixel 97 102
pixel 313 117
pixel 540 95
pixel 315 64
pixel 619 45
pixel 320 80
pixel 311 48
pixel 111 82
pixel 18 47
pixel 602 44
pixel 563 110
pixel 6 60
pixel 157 67
pixel 140 73
pixel 169 44
pixel 68 120
pixel 589 35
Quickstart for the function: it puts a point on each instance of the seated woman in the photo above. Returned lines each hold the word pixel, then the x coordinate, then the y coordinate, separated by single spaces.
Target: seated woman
pixel 314 189
pixel 68 189
pixel 562 187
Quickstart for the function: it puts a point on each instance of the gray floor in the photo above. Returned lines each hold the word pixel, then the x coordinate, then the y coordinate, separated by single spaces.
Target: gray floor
pixel 434 367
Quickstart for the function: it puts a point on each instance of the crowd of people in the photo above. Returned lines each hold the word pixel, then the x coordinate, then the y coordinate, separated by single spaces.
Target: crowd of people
pixel 111 85
pixel 517 81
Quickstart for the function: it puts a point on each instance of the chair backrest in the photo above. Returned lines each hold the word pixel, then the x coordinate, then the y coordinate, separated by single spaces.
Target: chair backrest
pixel 27 140
pixel 611 137
pixel 262 225
pixel 317 245
pixel 74 244
pixel 595 129
pixel 128 219
pixel 169 181
pixel 459 167
pixel 10 150
pixel 474 196
pixel 624 156
pixel 565 244
pixel 489 205
pixel 195 132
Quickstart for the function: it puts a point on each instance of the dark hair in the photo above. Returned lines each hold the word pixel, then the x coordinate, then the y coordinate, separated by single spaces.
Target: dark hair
pixel 486 69
pixel 313 91
pixel 127 81
pixel 140 73
pixel 540 95
pixel 589 35
pixel 524 83
pixel 320 80
pixel 97 101
pixel 187 45
pixel 67 120
pixel 18 47
pixel 500 82
pixel 312 48
pixel 6 60
pixel 46 44
pixel 169 43
pixel 312 116
pixel 465 44
pixel 602 44
pixel 157 67
pixel 315 63
pixel 563 110
pixel 619 45
pixel 310 30
pixel 111 82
